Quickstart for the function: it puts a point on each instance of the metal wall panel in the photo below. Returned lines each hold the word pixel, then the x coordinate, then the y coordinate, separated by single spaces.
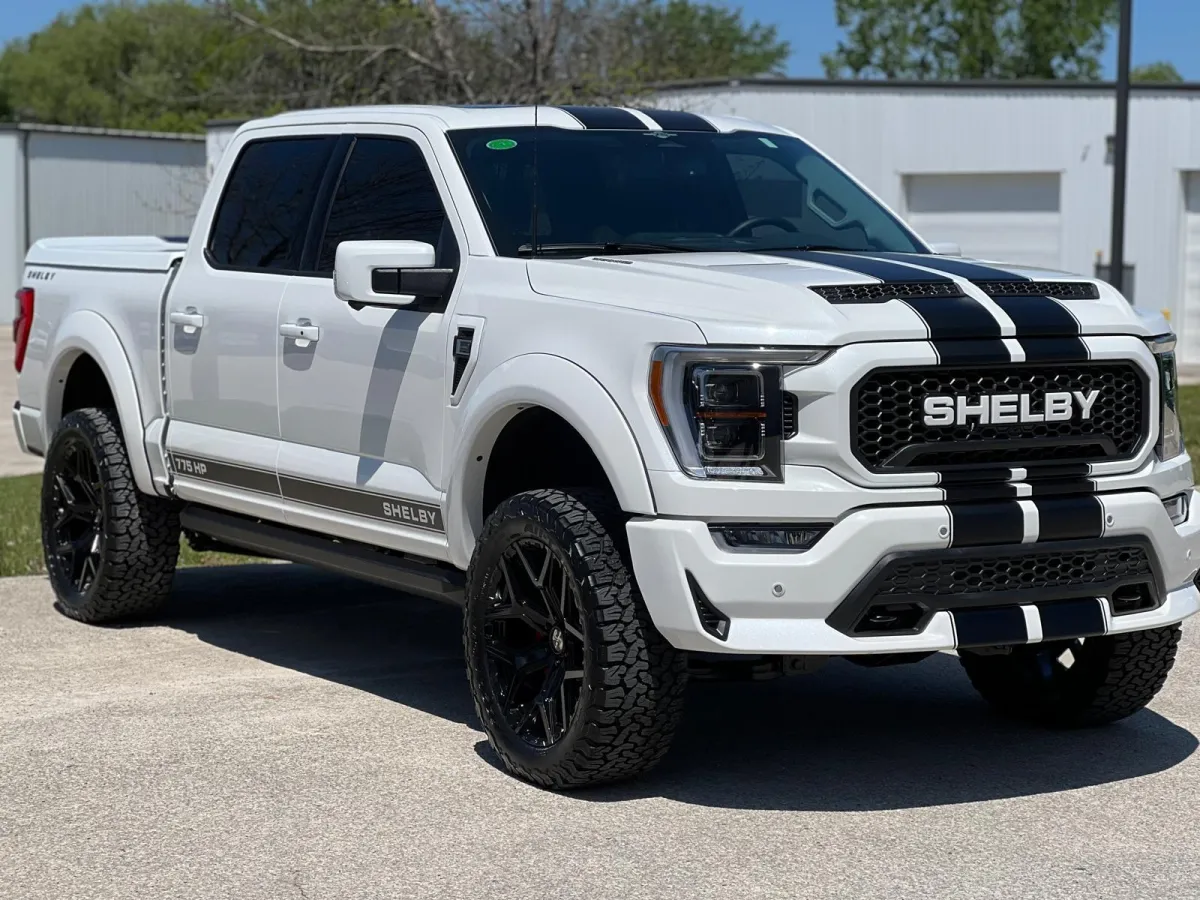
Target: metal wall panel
pixel 884 134
pixel 88 184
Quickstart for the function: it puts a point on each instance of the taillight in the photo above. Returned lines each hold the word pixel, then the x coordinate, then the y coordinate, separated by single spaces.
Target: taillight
pixel 23 324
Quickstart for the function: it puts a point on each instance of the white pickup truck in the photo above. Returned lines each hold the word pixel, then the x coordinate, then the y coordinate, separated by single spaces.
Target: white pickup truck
pixel 645 391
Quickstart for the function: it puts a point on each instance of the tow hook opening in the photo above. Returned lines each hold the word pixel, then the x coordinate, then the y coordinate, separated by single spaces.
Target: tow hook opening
pixel 1131 598
pixel 891 618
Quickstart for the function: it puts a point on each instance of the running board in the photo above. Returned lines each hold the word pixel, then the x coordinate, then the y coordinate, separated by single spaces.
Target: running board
pixel 389 568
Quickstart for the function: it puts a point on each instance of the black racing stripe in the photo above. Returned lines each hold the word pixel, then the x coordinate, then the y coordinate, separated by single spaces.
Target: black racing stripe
pixel 1071 619
pixel 606 117
pixel 990 627
pixel 677 120
pixel 1061 479
pixel 854 262
pixel 363 503
pixel 952 318
pixel 1069 518
pixel 977 485
pixel 979 524
pixel 259 481
pixel 982 352
pixel 971 271
pixel 1052 350
pixel 1039 316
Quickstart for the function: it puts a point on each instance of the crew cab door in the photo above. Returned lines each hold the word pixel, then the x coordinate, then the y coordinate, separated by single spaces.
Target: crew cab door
pixel 362 392
pixel 221 329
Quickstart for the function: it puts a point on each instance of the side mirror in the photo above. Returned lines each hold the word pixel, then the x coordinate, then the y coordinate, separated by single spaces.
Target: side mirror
pixel 388 273
pixel 945 248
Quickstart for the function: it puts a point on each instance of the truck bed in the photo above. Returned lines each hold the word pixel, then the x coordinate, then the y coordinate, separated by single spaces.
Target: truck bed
pixel 134 253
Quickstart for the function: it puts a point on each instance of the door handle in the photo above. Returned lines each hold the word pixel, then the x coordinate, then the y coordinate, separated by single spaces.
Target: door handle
pixel 189 318
pixel 303 332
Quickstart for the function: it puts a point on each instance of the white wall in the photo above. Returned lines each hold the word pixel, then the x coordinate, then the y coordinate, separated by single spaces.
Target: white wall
pixel 12 220
pixel 88 182
pixel 884 134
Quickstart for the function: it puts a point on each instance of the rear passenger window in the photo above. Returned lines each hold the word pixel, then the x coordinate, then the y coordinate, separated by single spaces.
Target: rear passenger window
pixel 263 217
pixel 386 194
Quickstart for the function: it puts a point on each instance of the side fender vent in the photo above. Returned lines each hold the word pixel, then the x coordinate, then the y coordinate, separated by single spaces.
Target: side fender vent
pixel 461 352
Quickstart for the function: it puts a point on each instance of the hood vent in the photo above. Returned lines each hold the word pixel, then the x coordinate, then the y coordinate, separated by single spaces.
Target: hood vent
pixel 882 292
pixel 1059 290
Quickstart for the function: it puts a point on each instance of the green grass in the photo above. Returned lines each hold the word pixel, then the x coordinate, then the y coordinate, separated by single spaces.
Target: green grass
pixel 20 532
pixel 21 545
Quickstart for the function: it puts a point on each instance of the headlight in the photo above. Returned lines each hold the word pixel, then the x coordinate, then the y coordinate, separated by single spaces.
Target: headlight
pixel 1170 434
pixel 723 409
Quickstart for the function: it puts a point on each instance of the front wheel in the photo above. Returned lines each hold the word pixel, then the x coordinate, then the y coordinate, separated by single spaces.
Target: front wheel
pixel 573 684
pixel 1090 681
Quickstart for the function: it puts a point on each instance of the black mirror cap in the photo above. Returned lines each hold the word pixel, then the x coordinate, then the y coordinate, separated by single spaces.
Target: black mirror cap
pixel 423 283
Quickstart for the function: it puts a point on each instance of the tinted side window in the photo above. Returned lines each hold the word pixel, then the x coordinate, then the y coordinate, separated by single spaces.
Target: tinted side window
pixel 263 217
pixel 386 194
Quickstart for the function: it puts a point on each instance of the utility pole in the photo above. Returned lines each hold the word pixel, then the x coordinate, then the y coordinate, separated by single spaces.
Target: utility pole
pixel 1116 256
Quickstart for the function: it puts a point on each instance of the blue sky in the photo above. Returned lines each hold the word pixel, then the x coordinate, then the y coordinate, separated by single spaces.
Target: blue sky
pixel 1162 29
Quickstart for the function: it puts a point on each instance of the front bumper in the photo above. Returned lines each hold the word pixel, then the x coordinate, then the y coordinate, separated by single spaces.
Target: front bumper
pixel 779 603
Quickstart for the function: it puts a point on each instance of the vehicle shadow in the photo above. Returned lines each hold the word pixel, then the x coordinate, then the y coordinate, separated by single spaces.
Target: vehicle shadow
pixel 845 738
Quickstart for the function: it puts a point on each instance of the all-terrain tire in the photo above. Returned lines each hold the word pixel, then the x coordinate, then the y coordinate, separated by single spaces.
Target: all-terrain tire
pixel 1108 678
pixel 631 697
pixel 136 544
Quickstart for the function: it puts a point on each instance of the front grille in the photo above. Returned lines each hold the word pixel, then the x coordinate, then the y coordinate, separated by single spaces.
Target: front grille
pixel 985 574
pixel 1061 290
pixel 889 432
pixel 882 292
pixel 903 593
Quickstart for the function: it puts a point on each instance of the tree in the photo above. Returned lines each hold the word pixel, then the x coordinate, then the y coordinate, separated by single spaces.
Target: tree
pixel 971 39
pixel 1160 72
pixel 119 66
pixel 173 64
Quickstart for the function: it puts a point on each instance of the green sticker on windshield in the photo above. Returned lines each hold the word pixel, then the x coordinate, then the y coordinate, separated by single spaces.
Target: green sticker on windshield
pixel 501 144
pixel 770 143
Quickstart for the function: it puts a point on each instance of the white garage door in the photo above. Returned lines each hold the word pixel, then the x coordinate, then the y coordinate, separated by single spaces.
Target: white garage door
pixel 1189 348
pixel 1004 216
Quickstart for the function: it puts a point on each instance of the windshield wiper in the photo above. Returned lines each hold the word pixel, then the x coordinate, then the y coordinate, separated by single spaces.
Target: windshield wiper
pixel 603 247
pixel 815 247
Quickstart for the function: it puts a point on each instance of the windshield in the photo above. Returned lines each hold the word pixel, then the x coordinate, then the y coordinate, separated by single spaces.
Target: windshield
pixel 639 191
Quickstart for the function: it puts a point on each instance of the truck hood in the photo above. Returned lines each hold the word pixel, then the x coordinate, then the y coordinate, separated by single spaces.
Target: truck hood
pixel 776 298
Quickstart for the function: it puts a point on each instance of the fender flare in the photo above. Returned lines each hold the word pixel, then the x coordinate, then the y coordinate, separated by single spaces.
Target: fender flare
pixel 569 391
pixel 88 332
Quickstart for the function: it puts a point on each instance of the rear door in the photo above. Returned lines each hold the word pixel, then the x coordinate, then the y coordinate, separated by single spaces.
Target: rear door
pixel 222 325
pixel 362 393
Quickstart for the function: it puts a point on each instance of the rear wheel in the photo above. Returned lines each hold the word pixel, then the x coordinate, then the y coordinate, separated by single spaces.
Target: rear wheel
pixel 573 684
pixel 1090 681
pixel 110 550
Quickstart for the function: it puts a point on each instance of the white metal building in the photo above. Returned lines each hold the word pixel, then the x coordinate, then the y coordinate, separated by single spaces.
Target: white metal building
pixel 57 181
pixel 1014 171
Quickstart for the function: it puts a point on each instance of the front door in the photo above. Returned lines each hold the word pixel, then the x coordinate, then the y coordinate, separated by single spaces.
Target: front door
pixel 221 331
pixel 362 392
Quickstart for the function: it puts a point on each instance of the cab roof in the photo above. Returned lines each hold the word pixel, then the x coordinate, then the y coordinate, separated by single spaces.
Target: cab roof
pixel 450 118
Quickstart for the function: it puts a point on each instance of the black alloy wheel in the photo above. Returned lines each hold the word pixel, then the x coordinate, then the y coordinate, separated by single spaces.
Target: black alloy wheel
pixel 76 522
pixel 533 634
pixel 110 550
pixel 571 681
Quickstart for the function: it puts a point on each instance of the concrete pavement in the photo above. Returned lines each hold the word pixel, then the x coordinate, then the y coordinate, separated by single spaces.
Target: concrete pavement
pixel 282 733
pixel 12 460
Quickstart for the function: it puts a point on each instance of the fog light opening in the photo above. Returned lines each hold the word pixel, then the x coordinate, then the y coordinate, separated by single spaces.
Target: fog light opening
pixel 1177 507
pixel 769 537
